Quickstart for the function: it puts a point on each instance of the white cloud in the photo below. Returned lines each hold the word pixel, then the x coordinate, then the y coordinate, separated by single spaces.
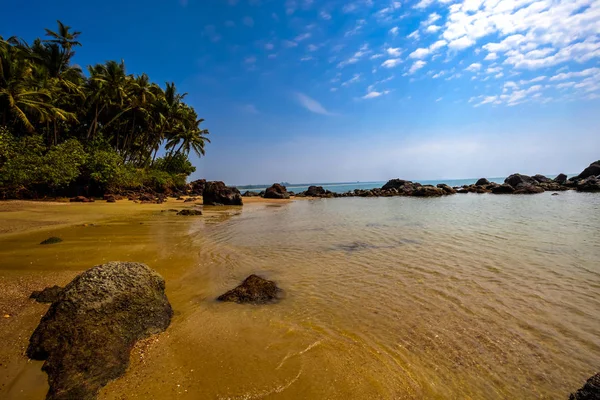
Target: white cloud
pixel 438 45
pixel 417 65
pixel 420 53
pixel 325 15
pixel 302 37
pixel 578 74
pixel 289 43
pixel 414 35
pixel 373 94
pixel 491 57
pixel 311 104
pixel 423 4
pixel 461 43
pixel 439 99
pixel 394 51
pixel 376 56
pixel 391 63
pixel 473 67
pixel 433 28
pixel 355 78
pixel 394 31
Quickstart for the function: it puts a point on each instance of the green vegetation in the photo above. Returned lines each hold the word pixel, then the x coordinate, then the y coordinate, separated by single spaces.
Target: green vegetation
pixel 63 132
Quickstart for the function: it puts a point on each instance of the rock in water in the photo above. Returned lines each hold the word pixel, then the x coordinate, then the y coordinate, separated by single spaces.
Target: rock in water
pixel 217 193
pixel 561 179
pixel 589 391
pixel 315 191
pixel 48 295
pixel 88 332
pixel 592 170
pixel 517 179
pixel 277 191
pixel 52 240
pixel 189 212
pixel 255 290
pixel 482 182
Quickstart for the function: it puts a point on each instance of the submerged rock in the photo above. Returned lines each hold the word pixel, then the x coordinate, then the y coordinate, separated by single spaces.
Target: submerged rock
pixel 52 240
pixel 87 334
pixel 255 290
pixel 216 193
pixel 276 191
pixel 589 391
pixel 189 212
pixel 48 295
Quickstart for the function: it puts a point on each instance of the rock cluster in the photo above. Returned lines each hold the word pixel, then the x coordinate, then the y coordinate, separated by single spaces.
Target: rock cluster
pixel 216 193
pixel 89 330
pixel 276 191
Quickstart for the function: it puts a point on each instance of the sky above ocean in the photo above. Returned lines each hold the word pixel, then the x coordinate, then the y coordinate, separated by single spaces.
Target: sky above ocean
pixel 307 90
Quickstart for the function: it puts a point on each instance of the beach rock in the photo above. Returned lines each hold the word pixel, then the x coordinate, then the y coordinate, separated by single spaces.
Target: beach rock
pixel 110 199
pixel 277 191
pixel 516 179
pixel 52 240
pixel 503 189
pixel 589 391
pixel 482 182
pixel 592 170
pixel 561 179
pixel 190 199
pixel 87 334
pixel 189 212
pixel 315 191
pixel 81 199
pixel 396 184
pixel 197 187
pixel 48 295
pixel 447 189
pixel 590 184
pixel 255 290
pixel 248 193
pixel 527 188
pixel 427 191
pixel 541 178
pixel 217 193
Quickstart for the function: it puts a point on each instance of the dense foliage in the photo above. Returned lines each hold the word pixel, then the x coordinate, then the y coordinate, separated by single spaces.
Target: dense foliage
pixel 62 130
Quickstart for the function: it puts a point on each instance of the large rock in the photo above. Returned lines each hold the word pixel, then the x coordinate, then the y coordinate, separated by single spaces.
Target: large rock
pixel 482 182
pixel 527 188
pixel 277 191
pixel 503 189
pixel 561 179
pixel 81 199
pixel 589 391
pixel 428 191
pixel 396 184
pixel 255 290
pixel 87 334
pixel 590 184
pixel 197 187
pixel 541 178
pixel 516 179
pixel 447 189
pixel 315 191
pixel 216 193
pixel 592 170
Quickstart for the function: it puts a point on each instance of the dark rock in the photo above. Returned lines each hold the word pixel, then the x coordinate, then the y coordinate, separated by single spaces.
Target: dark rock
pixel 218 193
pixel 428 191
pixel 526 188
pixel 110 199
pixel 81 199
pixel 255 290
pixel 554 194
pixel 561 179
pixel 277 191
pixel 589 391
pixel 189 212
pixel 503 189
pixel 249 193
pixel 315 191
pixel 87 334
pixel 197 187
pixel 482 182
pixel 592 170
pixel 447 189
pixel 190 199
pixel 48 295
pixel 541 178
pixel 396 184
pixel 590 184
pixel 291 193
pixel 52 240
pixel 516 179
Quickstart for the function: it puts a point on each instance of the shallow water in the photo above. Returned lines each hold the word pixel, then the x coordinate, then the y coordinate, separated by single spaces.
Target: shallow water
pixel 466 296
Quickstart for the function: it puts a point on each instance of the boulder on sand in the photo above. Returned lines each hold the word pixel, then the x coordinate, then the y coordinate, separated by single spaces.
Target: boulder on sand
pixel 255 290
pixel 276 191
pixel 315 191
pixel 216 193
pixel 87 334
pixel 48 295
pixel 589 391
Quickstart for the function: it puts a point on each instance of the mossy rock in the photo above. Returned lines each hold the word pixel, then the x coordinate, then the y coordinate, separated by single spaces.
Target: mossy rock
pixel 52 240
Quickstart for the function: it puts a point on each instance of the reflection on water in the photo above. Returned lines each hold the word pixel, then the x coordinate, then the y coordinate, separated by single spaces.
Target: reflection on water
pixel 471 296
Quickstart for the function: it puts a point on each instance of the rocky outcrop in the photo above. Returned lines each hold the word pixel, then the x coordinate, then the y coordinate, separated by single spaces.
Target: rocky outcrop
pixel 447 189
pixel 216 193
pixel 188 212
pixel 315 191
pixel 52 240
pixel 515 180
pixel 276 191
pixel 48 295
pixel 503 189
pixel 398 184
pixel 561 179
pixel 528 188
pixel 590 184
pixel 255 290
pixel 592 170
pixel 428 191
pixel 482 182
pixel 196 187
pixel 541 178
pixel 87 334
pixel 589 391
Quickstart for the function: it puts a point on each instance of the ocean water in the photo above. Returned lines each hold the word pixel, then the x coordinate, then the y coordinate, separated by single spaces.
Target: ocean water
pixel 347 187
pixel 460 297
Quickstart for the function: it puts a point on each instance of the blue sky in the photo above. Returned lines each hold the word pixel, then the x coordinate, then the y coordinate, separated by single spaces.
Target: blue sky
pixel 308 90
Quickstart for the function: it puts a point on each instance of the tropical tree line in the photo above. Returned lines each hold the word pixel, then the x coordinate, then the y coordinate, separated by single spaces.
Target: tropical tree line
pixel 61 128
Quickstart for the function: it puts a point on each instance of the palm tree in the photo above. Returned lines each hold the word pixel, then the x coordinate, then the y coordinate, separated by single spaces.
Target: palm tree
pixel 191 139
pixel 66 39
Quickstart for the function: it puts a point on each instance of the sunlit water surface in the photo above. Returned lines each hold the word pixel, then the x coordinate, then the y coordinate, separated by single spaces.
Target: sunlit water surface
pixel 466 296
